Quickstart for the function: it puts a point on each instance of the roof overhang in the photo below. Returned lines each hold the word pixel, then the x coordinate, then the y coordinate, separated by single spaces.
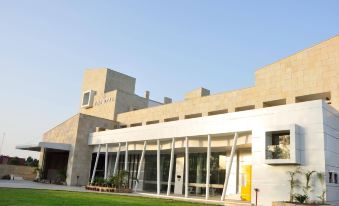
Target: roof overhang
pixel 45 145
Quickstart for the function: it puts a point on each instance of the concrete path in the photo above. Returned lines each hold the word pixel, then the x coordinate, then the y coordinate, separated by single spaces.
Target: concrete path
pixel 35 185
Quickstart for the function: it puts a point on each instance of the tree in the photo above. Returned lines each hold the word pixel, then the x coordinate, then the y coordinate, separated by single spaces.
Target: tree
pixel 14 161
pixel 32 162
pixel 29 161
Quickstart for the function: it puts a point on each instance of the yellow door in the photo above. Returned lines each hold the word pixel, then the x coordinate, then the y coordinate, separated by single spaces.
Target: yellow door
pixel 247 182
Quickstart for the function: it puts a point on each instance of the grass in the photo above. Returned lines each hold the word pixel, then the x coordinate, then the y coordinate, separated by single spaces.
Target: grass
pixel 28 197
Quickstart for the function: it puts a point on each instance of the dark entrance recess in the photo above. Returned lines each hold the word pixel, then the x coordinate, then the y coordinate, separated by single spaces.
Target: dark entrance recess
pixel 55 165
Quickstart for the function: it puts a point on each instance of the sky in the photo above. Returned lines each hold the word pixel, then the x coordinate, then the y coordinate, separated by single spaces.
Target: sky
pixel 170 47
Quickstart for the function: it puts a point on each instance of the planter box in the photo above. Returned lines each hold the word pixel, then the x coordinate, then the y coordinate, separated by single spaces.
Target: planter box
pixel 280 203
pixel 107 189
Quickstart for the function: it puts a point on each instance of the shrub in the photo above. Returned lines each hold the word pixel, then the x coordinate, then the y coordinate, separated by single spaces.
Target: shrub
pixel 61 176
pixel 6 177
pixel 99 181
pixel 301 198
pixel 321 178
pixel 294 183
pixel 119 180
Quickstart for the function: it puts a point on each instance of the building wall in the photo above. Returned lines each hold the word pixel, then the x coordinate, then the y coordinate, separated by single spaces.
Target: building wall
pixel 272 180
pixel 128 102
pixel 310 71
pixel 103 105
pixel 313 70
pixel 201 105
pixel 114 93
pixel 27 173
pixel 66 133
pixel 75 131
pixel 80 157
pixel 119 81
pixel 331 130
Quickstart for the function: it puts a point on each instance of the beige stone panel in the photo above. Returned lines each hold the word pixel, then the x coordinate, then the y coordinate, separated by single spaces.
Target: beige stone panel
pixel 103 105
pixel 79 162
pixel 64 132
pixel 94 79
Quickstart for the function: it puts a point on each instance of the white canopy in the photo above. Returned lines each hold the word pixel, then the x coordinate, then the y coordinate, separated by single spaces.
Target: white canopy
pixel 47 145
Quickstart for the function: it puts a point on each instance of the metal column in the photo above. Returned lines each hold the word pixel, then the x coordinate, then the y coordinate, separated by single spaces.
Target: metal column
pixel 208 167
pixel 158 167
pixel 95 164
pixel 186 167
pixel 106 161
pixel 140 163
pixel 234 147
pixel 117 160
pixel 126 157
pixel 169 183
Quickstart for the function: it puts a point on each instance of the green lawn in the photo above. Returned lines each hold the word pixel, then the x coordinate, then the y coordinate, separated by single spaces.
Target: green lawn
pixel 23 197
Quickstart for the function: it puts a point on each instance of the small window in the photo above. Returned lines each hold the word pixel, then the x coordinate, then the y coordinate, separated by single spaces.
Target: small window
pixel 223 111
pixel 326 96
pixel 122 126
pixel 100 129
pixel 136 124
pixel 274 103
pixel 191 116
pixel 244 108
pixel 87 99
pixel 152 122
pixel 283 145
pixel 333 177
pixel 171 119
pixel 278 145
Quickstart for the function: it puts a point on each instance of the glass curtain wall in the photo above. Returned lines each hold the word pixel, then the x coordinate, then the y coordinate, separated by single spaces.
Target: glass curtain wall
pixel 197 174
pixel 100 166
pixel 219 160
pixel 132 167
pixel 220 152
pixel 150 173
pixel 197 166
pixel 217 175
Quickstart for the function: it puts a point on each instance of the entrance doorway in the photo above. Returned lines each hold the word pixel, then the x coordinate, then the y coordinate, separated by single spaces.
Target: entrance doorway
pixel 55 165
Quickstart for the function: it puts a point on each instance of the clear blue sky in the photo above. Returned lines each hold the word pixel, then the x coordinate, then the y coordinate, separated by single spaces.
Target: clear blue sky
pixel 171 47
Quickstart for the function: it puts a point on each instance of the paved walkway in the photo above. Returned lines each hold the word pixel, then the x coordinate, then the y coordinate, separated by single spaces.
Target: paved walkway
pixel 35 185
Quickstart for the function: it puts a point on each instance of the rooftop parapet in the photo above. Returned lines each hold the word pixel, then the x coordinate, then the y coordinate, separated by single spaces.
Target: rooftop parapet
pixel 200 92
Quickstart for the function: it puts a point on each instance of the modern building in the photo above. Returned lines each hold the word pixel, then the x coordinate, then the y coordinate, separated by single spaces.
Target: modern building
pixel 214 146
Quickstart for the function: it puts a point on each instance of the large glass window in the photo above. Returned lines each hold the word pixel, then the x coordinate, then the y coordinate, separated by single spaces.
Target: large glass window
pixel 150 173
pixel 197 173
